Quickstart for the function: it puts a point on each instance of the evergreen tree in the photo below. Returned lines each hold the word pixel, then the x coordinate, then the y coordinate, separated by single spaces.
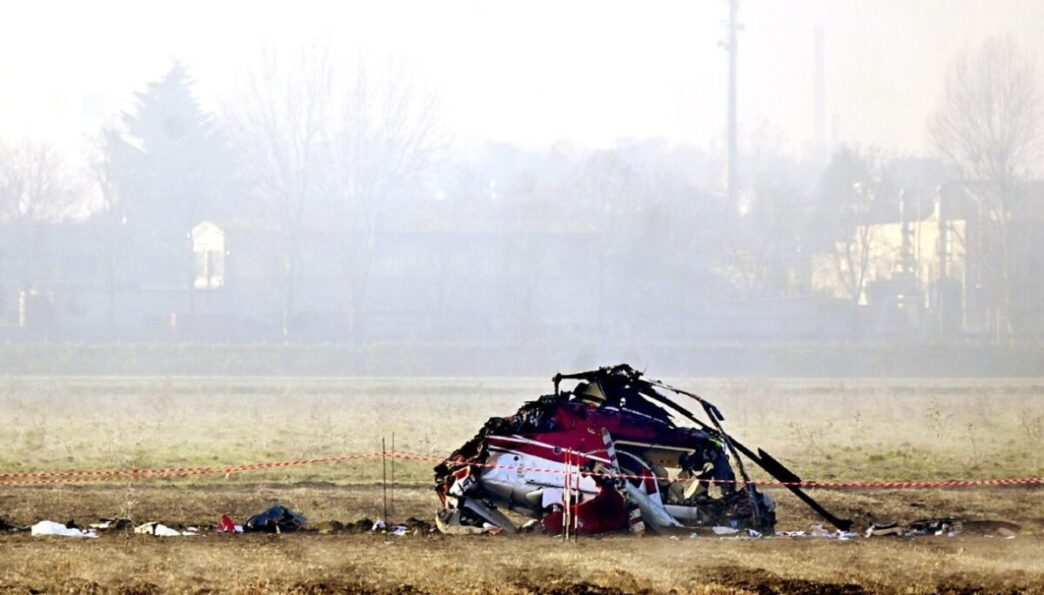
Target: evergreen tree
pixel 172 165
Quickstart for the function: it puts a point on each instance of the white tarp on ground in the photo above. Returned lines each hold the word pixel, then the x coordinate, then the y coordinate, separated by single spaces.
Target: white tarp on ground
pixel 44 528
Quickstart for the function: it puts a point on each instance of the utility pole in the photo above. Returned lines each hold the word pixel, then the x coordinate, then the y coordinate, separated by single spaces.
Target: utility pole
pixel 733 158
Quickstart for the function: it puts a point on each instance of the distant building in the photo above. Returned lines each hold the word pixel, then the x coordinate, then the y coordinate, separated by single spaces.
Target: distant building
pixel 934 267
pixel 438 278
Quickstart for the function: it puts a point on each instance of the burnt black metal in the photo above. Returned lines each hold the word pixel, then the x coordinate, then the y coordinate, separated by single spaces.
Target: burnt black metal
pixel 632 379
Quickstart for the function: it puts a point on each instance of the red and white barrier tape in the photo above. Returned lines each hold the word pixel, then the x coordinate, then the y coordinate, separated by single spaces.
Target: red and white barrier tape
pixel 71 477
pixel 944 483
pixel 29 478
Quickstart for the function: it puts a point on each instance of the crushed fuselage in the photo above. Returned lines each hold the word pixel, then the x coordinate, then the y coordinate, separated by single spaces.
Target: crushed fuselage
pixel 600 457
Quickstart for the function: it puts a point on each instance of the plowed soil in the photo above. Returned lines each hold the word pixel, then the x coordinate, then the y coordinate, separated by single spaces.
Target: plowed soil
pixel 356 561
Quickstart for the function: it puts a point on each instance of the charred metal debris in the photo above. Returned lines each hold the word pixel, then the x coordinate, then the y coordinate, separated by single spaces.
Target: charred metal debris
pixel 608 454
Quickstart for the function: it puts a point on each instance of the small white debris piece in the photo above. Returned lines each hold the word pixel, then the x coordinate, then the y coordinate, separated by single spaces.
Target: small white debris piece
pixel 378 525
pixel 720 530
pixel 399 530
pixel 819 531
pixel 161 530
pixel 44 528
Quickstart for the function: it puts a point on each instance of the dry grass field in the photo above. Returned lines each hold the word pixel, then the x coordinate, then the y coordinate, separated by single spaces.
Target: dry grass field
pixel 825 430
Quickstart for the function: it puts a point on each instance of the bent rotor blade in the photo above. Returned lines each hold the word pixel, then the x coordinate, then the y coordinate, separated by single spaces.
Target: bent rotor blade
pixel 768 463
pixel 782 474
pixel 492 515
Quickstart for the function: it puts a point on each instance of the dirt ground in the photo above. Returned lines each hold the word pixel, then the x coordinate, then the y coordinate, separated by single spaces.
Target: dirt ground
pixel 827 431
pixel 428 562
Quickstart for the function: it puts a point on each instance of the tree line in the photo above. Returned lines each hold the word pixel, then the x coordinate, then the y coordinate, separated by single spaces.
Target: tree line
pixel 353 149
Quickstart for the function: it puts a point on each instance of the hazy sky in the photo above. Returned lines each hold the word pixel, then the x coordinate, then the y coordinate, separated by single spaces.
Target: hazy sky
pixel 529 72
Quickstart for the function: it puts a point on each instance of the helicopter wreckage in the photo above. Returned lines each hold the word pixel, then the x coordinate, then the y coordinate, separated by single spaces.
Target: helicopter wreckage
pixel 608 454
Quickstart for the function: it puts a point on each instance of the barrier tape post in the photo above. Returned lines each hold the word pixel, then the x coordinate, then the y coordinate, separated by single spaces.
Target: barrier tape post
pixel 384 479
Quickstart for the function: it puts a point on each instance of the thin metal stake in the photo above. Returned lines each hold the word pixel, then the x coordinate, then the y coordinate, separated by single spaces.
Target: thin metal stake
pixel 392 462
pixel 567 513
pixel 579 497
pixel 384 479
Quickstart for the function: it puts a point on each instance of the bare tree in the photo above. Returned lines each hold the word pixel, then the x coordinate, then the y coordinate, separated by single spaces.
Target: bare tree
pixel 847 196
pixel 35 189
pixel 764 237
pixel 327 153
pixel 852 255
pixel 282 126
pixel 386 137
pixel 104 162
pixel 988 126
pixel 107 162
pixel 34 184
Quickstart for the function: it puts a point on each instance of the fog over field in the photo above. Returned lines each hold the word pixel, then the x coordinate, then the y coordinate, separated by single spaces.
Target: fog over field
pixel 711 187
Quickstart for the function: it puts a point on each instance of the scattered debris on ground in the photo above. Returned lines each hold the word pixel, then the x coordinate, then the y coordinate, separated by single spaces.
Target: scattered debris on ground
pixel 362 525
pixel 9 527
pixel 117 524
pixel 328 527
pixel 161 530
pixel 227 525
pixel 947 526
pixel 277 519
